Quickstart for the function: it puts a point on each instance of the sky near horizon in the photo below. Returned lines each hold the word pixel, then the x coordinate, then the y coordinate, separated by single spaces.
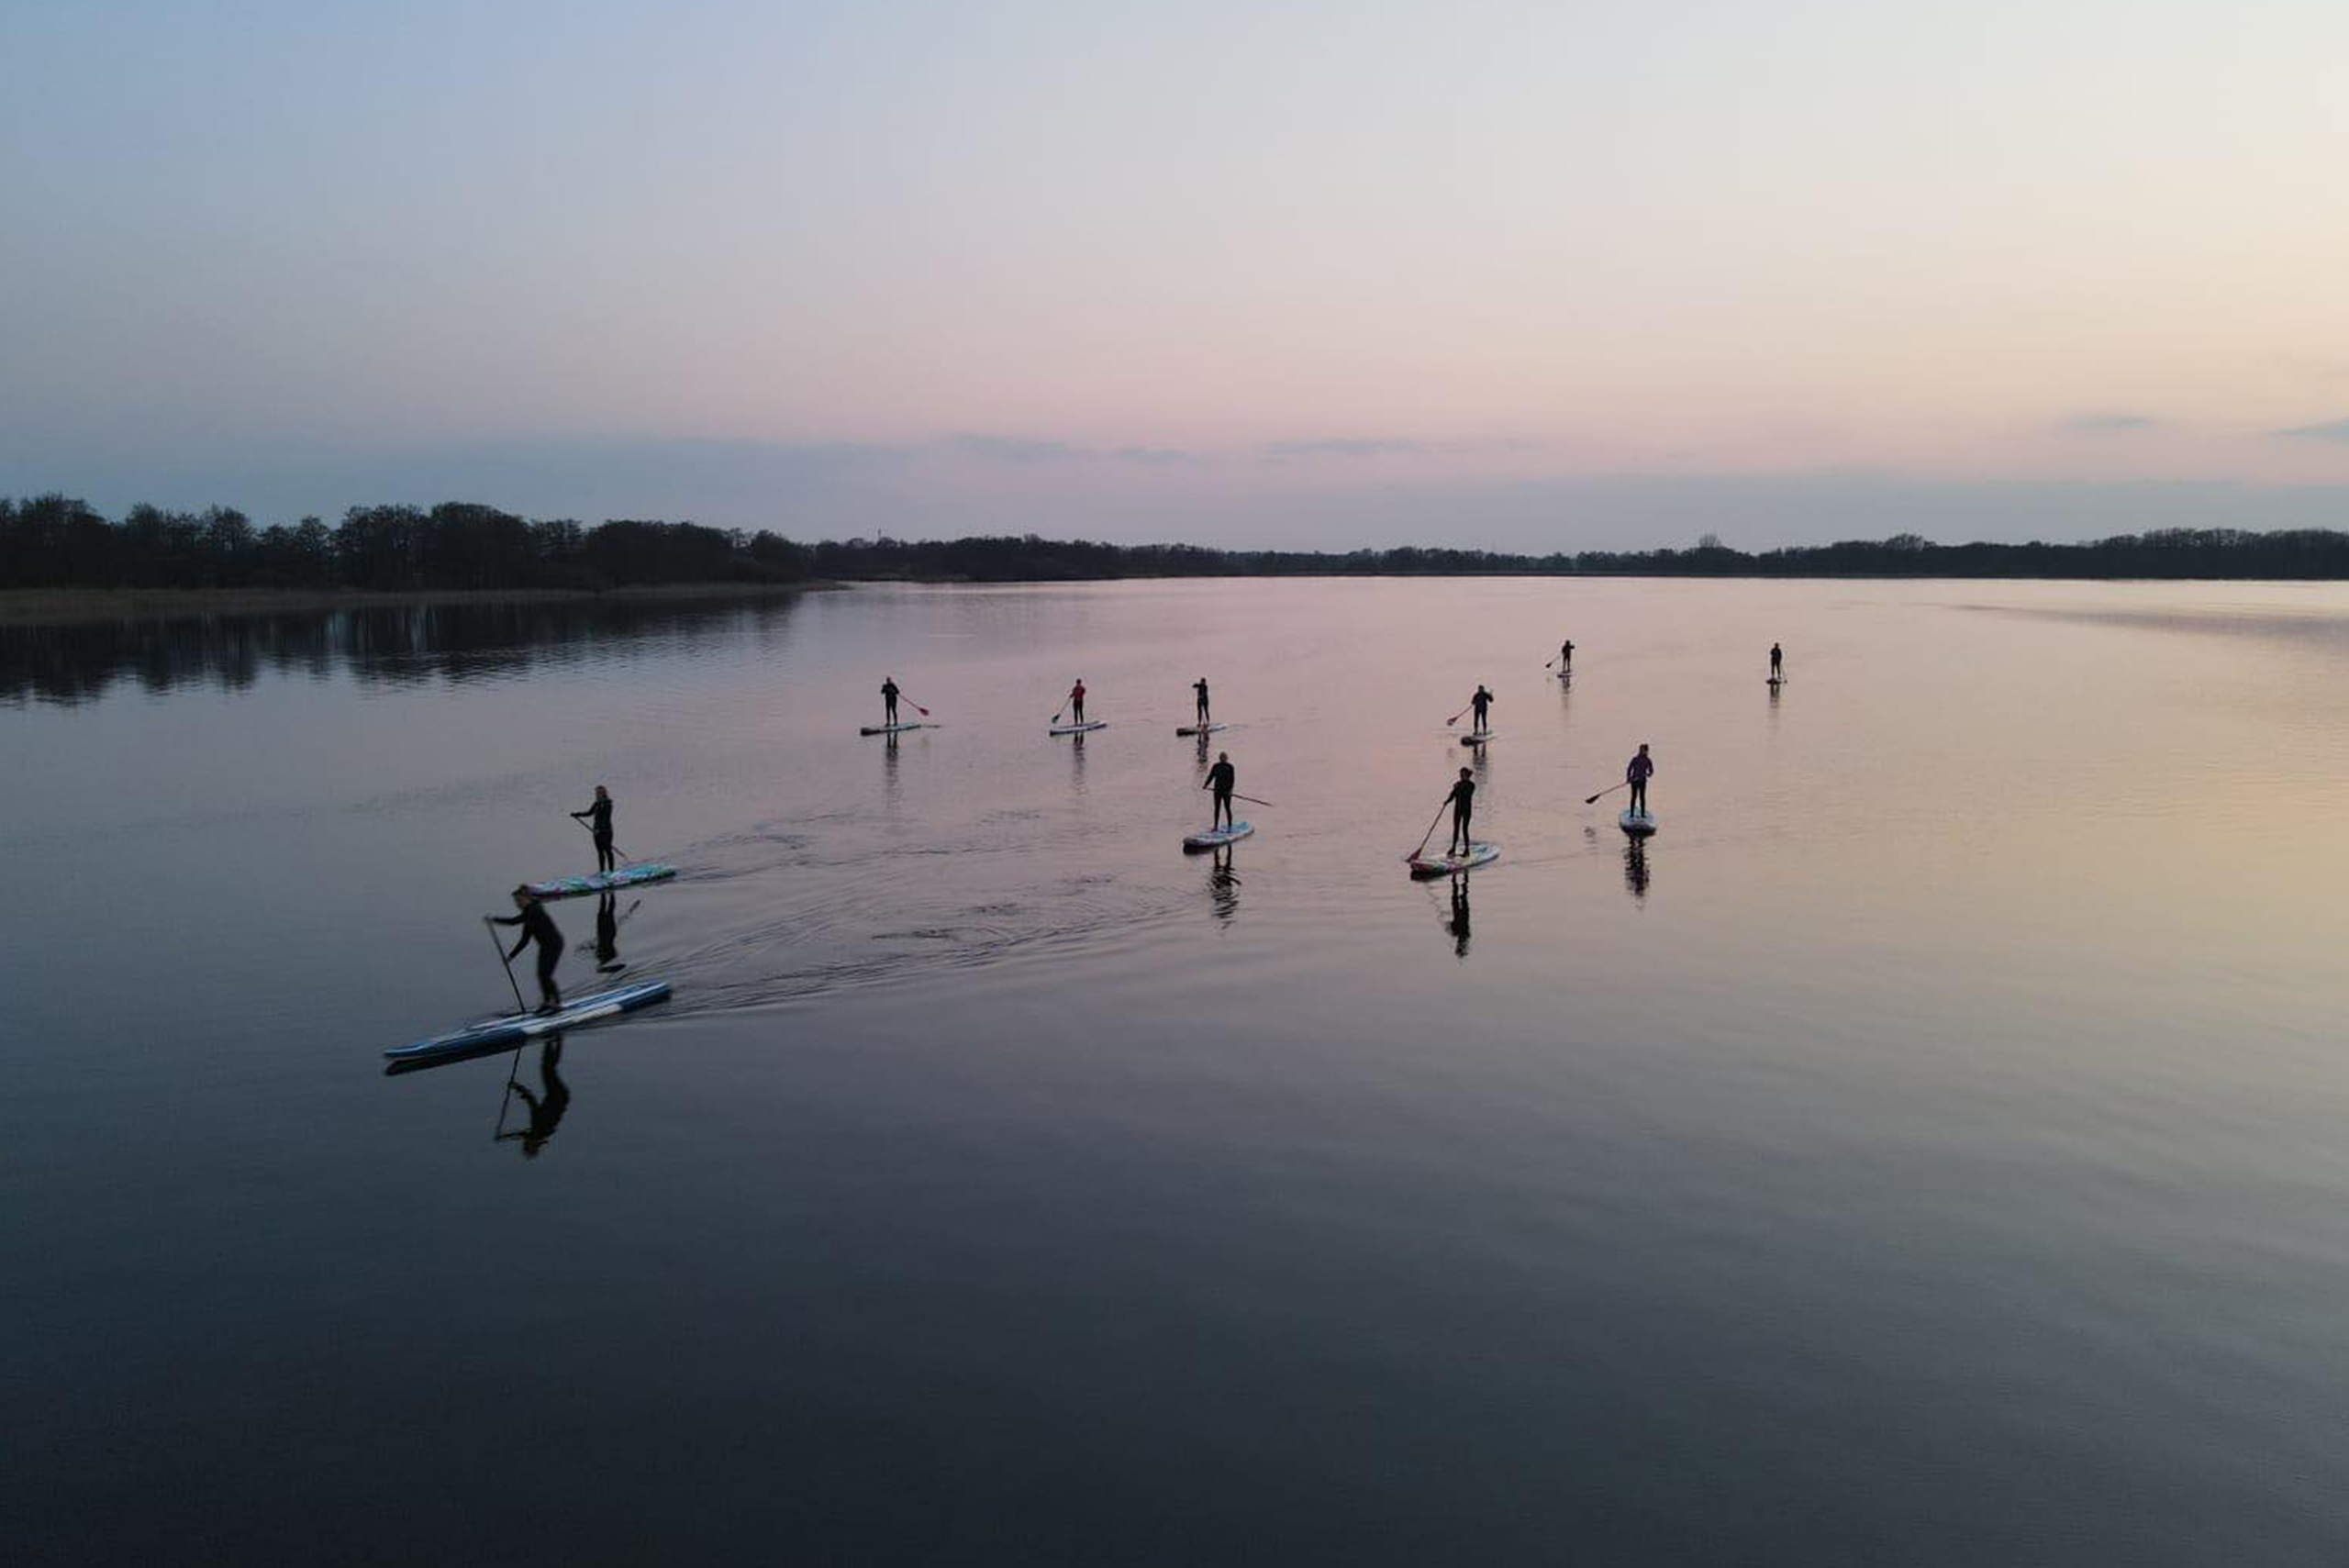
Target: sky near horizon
pixel 1498 272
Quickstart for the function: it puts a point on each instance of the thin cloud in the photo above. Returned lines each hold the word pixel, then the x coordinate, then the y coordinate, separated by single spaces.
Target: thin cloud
pixel 2336 432
pixel 1025 449
pixel 1339 446
pixel 2106 422
pixel 1015 449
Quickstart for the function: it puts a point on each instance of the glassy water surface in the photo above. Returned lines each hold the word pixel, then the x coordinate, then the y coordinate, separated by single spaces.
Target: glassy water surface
pixel 1927 1148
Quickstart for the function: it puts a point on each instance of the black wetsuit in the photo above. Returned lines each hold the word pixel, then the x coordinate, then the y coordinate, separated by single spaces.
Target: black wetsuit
pixel 599 818
pixel 1637 773
pixel 1567 656
pixel 1201 689
pixel 1463 803
pixel 1484 701
pixel 1778 661
pixel 890 702
pixel 1221 779
pixel 538 926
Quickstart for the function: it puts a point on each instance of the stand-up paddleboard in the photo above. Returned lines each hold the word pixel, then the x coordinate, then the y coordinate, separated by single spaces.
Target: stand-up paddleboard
pixel 1425 864
pixel 1217 838
pixel 1201 729
pixel 1638 824
pixel 1080 728
pixel 601 882
pixel 893 728
pixel 1776 680
pixel 1477 737
pixel 515 1028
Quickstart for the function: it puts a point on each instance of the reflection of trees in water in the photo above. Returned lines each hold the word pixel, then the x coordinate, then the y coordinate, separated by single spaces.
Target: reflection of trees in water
pixel 398 644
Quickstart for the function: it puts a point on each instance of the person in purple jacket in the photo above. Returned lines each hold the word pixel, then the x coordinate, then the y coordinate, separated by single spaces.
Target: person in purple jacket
pixel 1642 768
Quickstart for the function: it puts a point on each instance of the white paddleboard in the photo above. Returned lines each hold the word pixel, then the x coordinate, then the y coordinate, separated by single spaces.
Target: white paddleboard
pixel 1639 825
pixel 1201 729
pixel 1080 728
pixel 892 729
pixel 1477 737
pixel 1425 864
pixel 1215 838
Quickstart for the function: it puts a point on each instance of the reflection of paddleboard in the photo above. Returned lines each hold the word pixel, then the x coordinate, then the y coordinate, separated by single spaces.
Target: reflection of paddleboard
pixel 1202 728
pixel 1426 864
pixel 892 729
pixel 1215 838
pixel 574 886
pixel 1080 728
pixel 1477 736
pixel 515 1028
pixel 1639 825
pixel 1565 674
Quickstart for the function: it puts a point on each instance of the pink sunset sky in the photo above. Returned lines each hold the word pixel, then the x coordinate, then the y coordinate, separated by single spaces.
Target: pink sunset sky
pixel 1526 276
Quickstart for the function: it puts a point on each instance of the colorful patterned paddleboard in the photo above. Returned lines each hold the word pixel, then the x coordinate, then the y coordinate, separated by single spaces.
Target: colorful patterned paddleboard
pixel 601 882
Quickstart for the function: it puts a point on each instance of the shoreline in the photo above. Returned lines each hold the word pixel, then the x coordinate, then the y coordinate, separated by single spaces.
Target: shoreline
pixel 75 606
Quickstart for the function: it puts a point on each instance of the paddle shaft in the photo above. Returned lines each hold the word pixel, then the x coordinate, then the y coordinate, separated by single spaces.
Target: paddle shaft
pixel 1610 789
pixel 622 853
pixel 1423 837
pixel 1252 800
pixel 504 962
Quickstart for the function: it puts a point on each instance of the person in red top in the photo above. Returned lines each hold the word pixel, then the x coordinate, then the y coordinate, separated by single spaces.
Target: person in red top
pixel 1076 700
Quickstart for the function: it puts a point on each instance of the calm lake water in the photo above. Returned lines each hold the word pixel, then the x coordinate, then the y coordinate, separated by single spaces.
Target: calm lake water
pixel 1932 1148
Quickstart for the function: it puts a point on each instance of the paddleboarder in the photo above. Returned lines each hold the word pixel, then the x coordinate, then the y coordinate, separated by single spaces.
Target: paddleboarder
pixel 599 818
pixel 1076 700
pixel 1641 768
pixel 1778 662
pixel 1199 686
pixel 538 926
pixel 890 699
pixel 1222 778
pixel 1567 657
pixel 1463 804
pixel 1480 703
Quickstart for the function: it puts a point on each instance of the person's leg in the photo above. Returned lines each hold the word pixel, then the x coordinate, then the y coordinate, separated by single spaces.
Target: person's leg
pixel 604 858
pixel 549 997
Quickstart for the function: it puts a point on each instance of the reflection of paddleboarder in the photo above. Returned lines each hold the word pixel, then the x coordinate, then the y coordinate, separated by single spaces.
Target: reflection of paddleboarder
pixel 599 818
pixel 547 1109
pixel 1641 769
pixel 538 926
pixel 1463 804
pixel 888 699
pixel 1222 778
pixel 1458 925
pixel 607 933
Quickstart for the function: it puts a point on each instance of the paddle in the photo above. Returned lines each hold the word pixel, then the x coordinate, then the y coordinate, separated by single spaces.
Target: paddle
pixel 508 964
pixel 1610 789
pixel 1252 800
pixel 1415 854
pixel 918 709
pixel 1453 720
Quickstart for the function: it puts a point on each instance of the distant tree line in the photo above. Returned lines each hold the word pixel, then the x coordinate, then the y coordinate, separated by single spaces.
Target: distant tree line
pixel 54 541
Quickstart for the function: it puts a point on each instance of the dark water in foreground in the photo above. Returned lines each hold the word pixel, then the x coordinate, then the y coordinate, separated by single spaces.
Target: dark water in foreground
pixel 1931 1149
